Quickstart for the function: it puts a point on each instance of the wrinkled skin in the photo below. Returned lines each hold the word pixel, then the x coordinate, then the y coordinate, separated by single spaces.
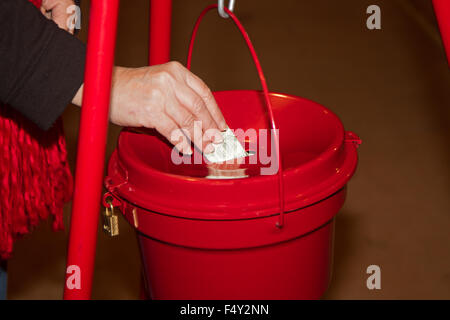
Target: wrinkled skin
pixel 167 97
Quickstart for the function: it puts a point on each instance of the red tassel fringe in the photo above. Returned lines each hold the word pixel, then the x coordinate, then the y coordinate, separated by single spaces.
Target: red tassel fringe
pixel 35 179
pixel 37 3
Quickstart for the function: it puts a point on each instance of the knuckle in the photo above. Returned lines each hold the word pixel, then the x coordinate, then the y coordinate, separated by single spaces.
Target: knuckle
pixel 198 106
pixel 156 94
pixel 174 65
pixel 188 121
pixel 203 86
pixel 208 96
pixel 163 76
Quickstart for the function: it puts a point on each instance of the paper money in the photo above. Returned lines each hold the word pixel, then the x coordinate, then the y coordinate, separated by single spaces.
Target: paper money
pixel 229 149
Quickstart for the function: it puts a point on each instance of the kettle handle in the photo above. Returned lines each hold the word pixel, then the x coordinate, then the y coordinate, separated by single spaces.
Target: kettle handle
pixel 265 90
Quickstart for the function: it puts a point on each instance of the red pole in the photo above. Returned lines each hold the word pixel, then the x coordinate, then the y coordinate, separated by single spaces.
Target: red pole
pixel 158 51
pixel 91 149
pixel 159 35
pixel 442 10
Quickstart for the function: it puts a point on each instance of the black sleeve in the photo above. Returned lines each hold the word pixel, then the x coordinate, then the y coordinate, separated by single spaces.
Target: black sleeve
pixel 41 66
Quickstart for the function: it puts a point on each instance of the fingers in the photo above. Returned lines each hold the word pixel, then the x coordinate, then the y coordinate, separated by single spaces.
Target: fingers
pixel 205 93
pixel 186 122
pixel 170 130
pixel 195 110
pixel 159 97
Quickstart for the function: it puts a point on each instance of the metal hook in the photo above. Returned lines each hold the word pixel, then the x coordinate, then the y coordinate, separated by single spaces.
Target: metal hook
pixel 220 6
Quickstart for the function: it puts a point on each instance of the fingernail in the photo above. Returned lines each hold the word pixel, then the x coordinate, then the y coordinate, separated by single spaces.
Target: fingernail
pixel 223 126
pixel 209 149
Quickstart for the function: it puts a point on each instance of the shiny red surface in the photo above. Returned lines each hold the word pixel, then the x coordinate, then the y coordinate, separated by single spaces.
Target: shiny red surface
pixel 318 158
pixel 442 10
pixel 159 34
pixel 296 269
pixel 217 239
pixel 91 144
pixel 265 90
pixel 223 233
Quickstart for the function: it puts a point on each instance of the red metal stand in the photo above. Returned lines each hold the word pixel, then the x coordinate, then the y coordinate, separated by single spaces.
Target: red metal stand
pixel 91 148
pixel 94 124
pixel 442 9
pixel 159 35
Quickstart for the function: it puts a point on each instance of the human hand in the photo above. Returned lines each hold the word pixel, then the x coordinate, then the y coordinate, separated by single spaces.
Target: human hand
pixel 58 11
pixel 168 98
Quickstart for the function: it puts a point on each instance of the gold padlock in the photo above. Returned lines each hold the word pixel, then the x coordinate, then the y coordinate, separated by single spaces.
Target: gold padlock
pixel 110 220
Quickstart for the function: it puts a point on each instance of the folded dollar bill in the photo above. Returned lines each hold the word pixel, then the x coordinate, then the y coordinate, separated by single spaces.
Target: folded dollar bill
pixel 229 149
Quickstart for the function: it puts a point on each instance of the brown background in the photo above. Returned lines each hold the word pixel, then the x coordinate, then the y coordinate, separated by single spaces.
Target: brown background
pixel 391 86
